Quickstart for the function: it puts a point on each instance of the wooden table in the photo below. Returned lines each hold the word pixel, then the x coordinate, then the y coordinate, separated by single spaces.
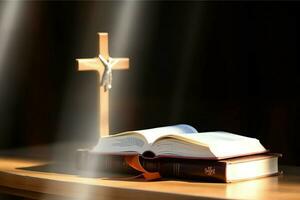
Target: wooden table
pixel 41 179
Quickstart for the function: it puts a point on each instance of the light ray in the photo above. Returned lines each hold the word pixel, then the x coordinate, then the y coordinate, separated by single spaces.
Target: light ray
pixel 124 31
pixel 119 33
pixel 9 14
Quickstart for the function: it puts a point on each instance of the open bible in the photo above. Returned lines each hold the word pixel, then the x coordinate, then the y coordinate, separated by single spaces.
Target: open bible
pixel 179 141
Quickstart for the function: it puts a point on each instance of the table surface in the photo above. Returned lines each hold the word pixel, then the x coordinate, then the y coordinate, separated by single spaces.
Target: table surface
pixel 41 179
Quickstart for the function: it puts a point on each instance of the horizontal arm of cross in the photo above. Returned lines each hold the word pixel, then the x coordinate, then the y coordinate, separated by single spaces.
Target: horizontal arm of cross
pixel 85 64
pixel 122 63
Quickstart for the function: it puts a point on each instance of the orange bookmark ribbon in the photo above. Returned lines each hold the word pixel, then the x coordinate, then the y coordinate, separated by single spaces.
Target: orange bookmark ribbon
pixel 134 162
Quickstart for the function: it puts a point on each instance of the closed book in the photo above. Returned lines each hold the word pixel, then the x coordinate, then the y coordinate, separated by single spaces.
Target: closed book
pixel 226 170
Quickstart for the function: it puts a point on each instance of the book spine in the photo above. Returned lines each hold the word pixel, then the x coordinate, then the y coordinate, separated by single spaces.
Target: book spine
pixel 187 169
pixel 167 167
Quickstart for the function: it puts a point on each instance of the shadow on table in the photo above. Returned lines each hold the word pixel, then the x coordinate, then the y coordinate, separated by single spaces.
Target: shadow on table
pixel 70 169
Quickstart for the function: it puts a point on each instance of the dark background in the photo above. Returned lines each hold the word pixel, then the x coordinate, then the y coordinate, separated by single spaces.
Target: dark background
pixel 214 65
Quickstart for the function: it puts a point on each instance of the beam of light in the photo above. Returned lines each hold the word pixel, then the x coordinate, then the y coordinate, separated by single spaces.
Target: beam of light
pixel 123 25
pixel 119 34
pixel 8 16
pixel 9 13
pixel 121 29
pixel 124 32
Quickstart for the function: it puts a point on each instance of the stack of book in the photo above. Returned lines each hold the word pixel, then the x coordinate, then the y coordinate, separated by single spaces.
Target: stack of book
pixel 181 152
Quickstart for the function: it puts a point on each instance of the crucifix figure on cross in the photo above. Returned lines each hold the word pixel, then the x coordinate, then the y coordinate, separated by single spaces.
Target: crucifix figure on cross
pixel 104 65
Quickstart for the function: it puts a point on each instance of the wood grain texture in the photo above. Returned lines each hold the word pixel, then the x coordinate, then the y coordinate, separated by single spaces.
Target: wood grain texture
pixel 25 178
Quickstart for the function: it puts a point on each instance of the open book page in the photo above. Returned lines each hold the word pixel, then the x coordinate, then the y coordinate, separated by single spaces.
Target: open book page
pixel 140 140
pixel 219 144
pixel 153 134
pixel 215 138
pixel 180 141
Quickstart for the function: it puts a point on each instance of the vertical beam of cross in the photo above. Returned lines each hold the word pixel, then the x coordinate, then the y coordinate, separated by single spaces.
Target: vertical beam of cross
pixel 97 65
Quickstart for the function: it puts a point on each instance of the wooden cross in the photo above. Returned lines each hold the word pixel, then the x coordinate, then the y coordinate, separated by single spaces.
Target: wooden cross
pixel 97 65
